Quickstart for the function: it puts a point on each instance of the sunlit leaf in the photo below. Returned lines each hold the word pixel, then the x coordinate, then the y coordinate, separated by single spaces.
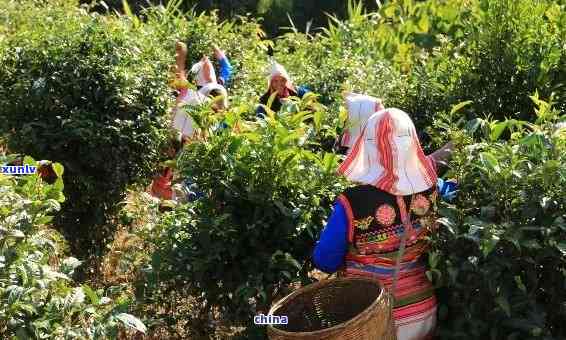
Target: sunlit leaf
pixel 58 169
pixel 424 24
pixel 132 322
pixel 497 129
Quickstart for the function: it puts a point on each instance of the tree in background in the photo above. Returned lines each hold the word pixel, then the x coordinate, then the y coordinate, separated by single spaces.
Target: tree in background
pixel 276 13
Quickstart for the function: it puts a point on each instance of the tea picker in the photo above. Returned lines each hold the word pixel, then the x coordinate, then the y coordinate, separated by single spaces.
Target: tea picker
pixel 208 85
pixel 280 88
pixel 377 231
pixel 359 108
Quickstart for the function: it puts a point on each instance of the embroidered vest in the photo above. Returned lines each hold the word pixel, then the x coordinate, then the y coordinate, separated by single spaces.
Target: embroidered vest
pixel 375 218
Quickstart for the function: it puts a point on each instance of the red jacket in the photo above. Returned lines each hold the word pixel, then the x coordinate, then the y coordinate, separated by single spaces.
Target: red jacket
pixel 161 185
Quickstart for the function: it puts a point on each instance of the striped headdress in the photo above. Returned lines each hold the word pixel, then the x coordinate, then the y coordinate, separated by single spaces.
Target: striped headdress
pixel 360 107
pixel 388 155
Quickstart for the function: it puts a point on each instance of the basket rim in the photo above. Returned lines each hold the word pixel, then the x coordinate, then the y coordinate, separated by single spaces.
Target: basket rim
pixel 319 284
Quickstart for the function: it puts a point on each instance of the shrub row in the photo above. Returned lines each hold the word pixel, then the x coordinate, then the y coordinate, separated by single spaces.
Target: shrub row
pixel 90 91
pixel 38 298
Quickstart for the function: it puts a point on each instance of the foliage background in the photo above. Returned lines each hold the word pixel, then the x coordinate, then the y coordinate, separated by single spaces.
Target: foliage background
pixel 275 13
pixel 91 92
pixel 38 297
pixel 196 269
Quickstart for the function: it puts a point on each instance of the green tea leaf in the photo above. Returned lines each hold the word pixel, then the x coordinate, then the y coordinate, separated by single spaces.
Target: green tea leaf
pixel 58 169
pixel 562 248
pixel 91 294
pixel 459 106
pixel 497 129
pixel 504 305
pixel 424 24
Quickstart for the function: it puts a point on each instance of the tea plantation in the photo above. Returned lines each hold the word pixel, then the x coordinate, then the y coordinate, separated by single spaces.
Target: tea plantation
pixel 91 255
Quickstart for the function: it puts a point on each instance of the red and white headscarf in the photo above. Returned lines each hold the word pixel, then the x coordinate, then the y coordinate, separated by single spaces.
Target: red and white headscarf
pixel 360 107
pixel 206 79
pixel 389 156
pixel 204 72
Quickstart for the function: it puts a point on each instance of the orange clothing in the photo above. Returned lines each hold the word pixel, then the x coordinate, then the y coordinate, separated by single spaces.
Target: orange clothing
pixel 161 185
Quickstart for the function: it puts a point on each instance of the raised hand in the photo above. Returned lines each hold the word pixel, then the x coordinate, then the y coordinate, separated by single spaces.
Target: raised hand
pixel 218 53
pixel 181 59
pixel 207 69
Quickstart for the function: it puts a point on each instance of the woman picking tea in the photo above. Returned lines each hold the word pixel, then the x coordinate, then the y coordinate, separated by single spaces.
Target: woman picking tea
pixel 392 206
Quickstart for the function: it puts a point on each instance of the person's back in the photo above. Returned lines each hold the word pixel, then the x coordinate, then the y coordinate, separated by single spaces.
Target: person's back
pixel 374 234
pixel 379 227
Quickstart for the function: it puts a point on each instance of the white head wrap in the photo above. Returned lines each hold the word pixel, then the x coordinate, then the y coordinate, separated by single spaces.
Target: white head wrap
pixel 360 107
pixel 277 69
pixel 206 89
pixel 183 122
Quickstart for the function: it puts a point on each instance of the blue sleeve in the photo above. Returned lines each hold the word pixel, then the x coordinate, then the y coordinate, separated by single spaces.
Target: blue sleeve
pixel 330 250
pixel 220 126
pixel 225 71
pixel 447 189
pixel 302 90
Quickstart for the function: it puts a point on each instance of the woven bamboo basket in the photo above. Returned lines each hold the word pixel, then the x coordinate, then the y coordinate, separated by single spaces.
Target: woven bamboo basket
pixel 342 308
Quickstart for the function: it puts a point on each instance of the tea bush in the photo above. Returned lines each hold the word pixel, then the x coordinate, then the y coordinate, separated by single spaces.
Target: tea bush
pixel 274 13
pixel 266 196
pixel 513 49
pixel 380 53
pixel 501 258
pixel 82 90
pixel 90 91
pixel 427 56
pixel 38 298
